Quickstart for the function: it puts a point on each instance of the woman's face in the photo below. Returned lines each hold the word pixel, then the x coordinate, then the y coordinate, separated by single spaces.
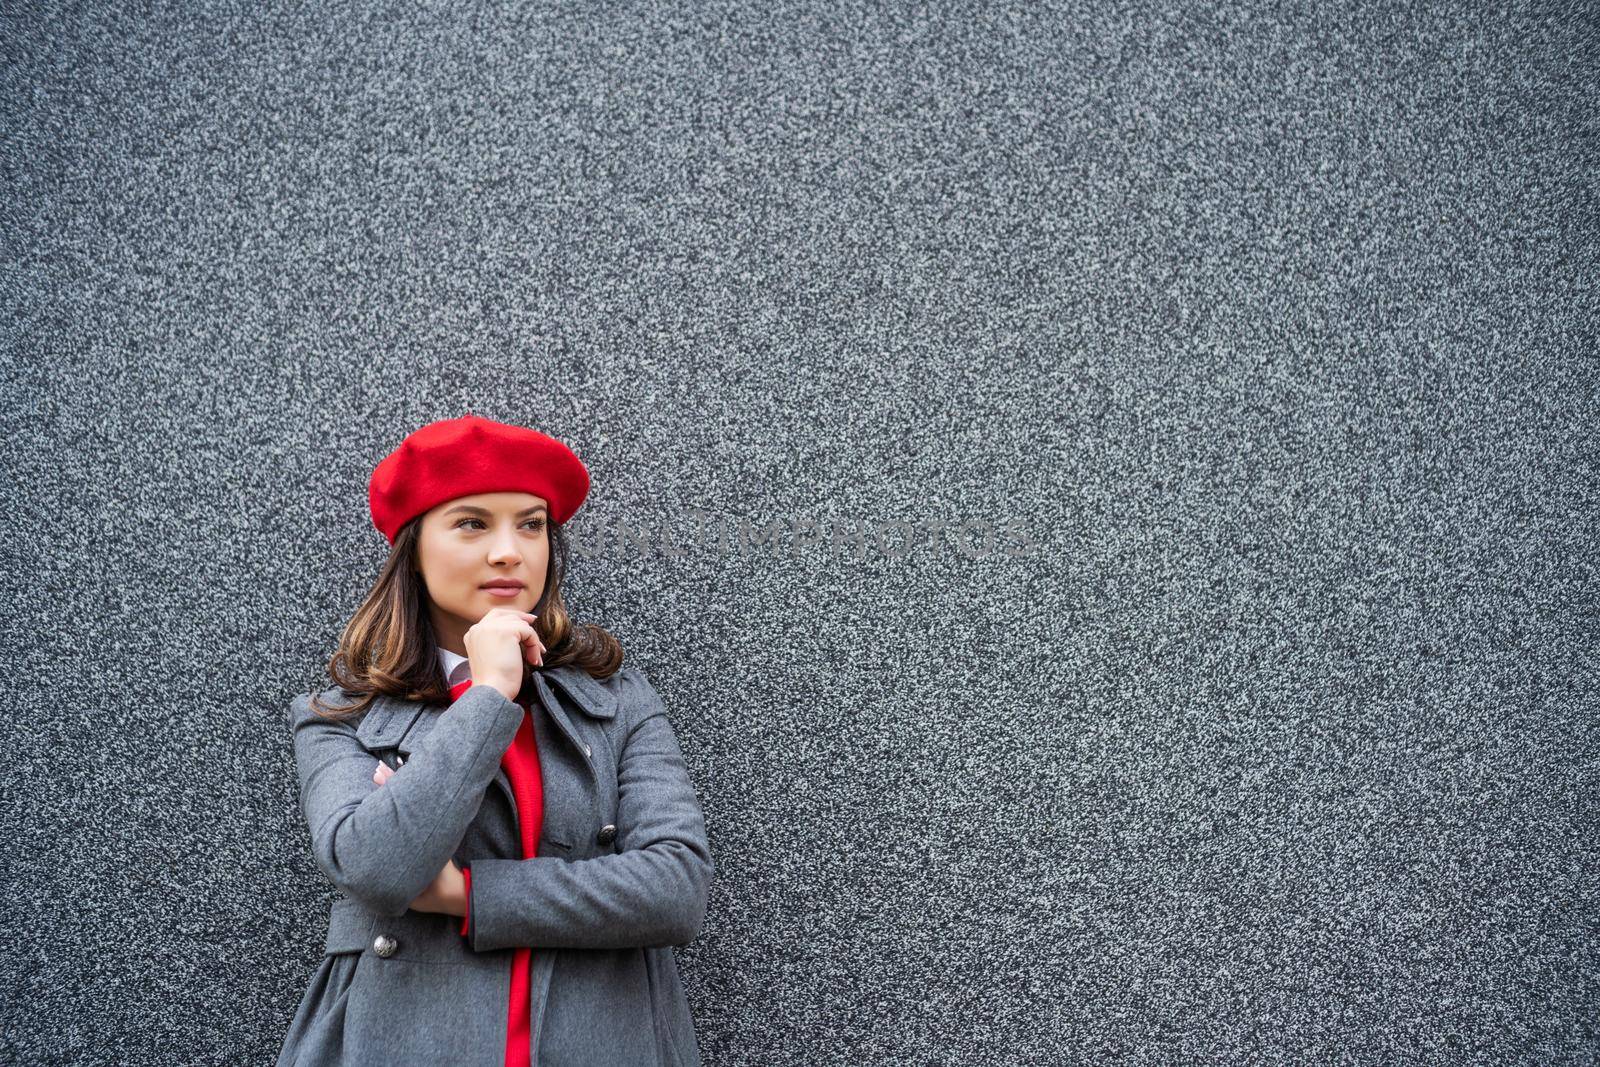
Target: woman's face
pixel 466 543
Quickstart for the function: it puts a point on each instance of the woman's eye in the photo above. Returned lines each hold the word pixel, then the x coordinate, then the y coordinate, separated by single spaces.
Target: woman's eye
pixel 537 524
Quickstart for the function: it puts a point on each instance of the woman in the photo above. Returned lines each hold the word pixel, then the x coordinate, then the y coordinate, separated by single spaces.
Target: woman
pixel 503 806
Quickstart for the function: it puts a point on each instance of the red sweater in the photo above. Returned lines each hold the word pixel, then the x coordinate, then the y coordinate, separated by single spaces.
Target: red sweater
pixel 521 762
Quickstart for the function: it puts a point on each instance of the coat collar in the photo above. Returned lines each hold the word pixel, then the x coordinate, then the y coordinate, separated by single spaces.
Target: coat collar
pixel 389 719
pixel 596 700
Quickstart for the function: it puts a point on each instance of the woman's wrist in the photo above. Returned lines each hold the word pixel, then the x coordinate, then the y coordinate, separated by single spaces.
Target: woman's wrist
pixel 457 901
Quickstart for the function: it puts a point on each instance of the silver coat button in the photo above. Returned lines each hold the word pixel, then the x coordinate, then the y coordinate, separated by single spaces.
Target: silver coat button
pixel 384 945
pixel 586 751
pixel 608 834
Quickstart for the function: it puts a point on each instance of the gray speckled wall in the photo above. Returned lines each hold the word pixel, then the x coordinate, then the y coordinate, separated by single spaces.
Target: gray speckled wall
pixel 1272 333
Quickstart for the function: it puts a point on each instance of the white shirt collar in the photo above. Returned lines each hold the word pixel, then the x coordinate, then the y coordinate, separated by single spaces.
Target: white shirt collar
pixel 456 668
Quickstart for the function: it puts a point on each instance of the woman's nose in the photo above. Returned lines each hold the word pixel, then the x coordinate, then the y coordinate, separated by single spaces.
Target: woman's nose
pixel 504 550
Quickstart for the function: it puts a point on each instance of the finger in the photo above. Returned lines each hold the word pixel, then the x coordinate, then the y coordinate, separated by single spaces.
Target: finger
pixel 522 631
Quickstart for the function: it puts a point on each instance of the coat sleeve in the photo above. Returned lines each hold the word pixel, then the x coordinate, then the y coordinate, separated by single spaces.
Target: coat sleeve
pixel 650 893
pixel 384 845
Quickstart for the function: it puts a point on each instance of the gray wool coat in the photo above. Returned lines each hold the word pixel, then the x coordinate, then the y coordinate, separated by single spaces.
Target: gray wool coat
pixel 621 875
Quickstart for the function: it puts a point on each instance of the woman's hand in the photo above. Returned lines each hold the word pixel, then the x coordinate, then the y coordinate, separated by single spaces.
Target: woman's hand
pixel 448 893
pixel 500 648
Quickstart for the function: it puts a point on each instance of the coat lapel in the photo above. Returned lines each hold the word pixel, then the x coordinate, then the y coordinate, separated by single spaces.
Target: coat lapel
pixel 386 721
pixel 588 694
pixel 595 699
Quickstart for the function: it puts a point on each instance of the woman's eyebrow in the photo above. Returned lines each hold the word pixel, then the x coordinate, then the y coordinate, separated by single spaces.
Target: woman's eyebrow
pixel 485 511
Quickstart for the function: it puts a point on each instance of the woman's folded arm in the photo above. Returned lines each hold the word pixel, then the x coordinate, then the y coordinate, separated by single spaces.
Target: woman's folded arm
pixel 384 845
pixel 652 892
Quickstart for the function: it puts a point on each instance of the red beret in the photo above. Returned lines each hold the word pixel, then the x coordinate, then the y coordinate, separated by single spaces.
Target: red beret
pixel 460 457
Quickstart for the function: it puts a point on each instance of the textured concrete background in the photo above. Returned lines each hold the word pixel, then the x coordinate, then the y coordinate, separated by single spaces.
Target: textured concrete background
pixel 1275 330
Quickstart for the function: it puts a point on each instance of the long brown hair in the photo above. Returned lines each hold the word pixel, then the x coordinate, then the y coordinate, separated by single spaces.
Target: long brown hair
pixel 389 645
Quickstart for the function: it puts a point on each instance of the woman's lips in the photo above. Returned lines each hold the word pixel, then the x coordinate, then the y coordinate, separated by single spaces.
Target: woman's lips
pixel 503 591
